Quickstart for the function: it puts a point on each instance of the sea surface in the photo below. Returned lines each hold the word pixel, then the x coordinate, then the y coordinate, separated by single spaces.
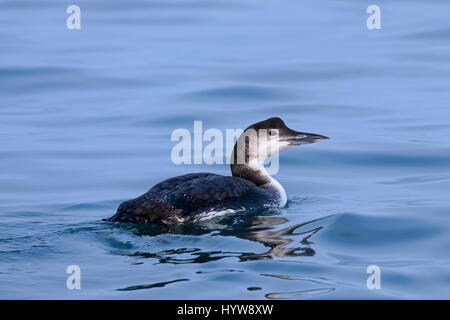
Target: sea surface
pixel 86 118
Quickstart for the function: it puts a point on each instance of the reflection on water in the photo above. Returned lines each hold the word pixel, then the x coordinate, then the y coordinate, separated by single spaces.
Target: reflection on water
pixel 324 287
pixel 277 240
pixel 264 229
pixel 149 286
pixel 297 294
pixel 283 239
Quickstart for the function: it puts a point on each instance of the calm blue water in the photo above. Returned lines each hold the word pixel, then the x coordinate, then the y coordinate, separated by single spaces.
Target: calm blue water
pixel 85 123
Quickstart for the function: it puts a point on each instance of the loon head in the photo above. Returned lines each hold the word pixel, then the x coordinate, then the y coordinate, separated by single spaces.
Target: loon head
pixel 261 140
pixel 273 136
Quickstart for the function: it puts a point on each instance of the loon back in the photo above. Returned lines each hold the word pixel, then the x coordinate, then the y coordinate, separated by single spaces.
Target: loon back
pixel 194 196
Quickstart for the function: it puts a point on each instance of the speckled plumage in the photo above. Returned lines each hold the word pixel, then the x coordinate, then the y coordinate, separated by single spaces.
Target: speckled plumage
pixel 188 196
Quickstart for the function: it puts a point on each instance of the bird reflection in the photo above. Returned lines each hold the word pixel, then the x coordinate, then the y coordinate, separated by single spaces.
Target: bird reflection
pixel 264 228
pixel 278 240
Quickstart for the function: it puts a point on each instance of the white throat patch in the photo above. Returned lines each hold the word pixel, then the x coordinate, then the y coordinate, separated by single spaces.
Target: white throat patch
pixel 276 187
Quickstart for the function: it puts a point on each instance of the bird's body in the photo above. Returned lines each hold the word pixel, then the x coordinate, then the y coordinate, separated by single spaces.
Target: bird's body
pixel 199 195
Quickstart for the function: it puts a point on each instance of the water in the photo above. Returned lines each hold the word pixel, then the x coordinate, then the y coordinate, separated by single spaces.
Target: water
pixel 86 117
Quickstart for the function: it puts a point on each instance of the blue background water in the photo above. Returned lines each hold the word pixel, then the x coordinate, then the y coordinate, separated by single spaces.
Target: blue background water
pixel 85 123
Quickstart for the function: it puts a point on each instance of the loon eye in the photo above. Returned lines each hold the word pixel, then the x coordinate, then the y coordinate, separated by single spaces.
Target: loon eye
pixel 272 132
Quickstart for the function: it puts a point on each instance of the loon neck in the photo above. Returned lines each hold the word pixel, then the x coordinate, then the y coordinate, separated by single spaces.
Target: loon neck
pixel 259 176
pixel 247 164
pixel 253 172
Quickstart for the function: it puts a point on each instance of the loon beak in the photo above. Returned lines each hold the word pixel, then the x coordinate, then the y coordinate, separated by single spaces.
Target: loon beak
pixel 295 138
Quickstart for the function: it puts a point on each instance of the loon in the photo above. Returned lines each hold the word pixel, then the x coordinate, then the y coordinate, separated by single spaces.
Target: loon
pixel 200 195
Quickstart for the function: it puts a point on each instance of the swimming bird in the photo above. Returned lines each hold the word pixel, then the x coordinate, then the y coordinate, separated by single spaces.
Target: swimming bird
pixel 199 195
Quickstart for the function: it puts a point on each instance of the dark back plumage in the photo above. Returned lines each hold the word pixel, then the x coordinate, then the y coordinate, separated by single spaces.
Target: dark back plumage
pixel 188 196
